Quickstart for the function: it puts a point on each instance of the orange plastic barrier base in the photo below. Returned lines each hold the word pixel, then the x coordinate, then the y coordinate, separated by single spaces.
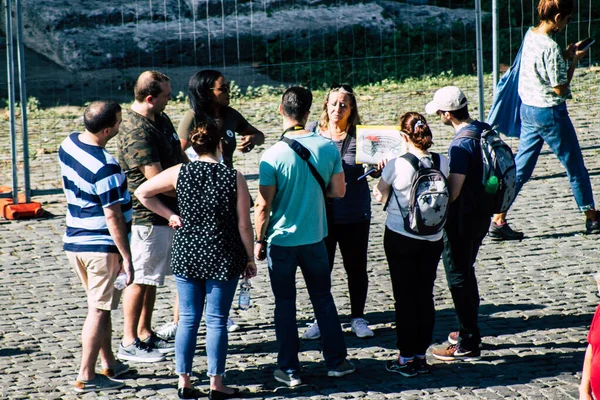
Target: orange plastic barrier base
pixel 9 210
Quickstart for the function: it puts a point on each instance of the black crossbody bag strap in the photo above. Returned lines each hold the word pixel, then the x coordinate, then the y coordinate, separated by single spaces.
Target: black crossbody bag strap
pixel 304 154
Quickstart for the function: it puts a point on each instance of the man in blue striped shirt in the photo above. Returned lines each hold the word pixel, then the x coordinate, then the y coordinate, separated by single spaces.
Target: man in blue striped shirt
pixel 96 240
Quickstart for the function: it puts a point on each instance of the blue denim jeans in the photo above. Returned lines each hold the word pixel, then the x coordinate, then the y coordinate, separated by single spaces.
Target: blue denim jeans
pixel 313 262
pixel 192 295
pixel 553 126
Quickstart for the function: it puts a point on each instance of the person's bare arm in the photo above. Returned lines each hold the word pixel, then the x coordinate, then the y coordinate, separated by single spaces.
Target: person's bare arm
pixel 577 55
pixel 245 225
pixel 151 170
pixel 382 191
pixel 262 212
pixel 456 182
pixel 585 387
pixel 337 186
pixel 115 221
pixel 165 182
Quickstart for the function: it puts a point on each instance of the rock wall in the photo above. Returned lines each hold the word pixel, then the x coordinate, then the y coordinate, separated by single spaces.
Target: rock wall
pixel 93 34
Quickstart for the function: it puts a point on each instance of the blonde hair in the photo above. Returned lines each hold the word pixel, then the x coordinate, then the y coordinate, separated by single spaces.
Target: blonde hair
pixel 354 118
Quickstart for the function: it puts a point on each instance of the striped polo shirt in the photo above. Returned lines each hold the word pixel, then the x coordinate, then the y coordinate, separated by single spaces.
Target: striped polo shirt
pixel 92 180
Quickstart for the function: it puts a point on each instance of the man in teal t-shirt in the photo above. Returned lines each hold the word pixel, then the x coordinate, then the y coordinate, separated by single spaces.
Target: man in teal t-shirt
pixel 291 224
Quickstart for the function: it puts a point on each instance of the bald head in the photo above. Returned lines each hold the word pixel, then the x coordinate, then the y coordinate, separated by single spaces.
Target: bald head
pixel 149 83
pixel 101 115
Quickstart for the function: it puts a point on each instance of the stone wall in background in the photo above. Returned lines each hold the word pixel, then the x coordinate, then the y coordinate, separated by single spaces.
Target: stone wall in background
pixel 95 34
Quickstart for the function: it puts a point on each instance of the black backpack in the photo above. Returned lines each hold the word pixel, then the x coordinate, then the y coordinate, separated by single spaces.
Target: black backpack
pixel 428 200
pixel 499 162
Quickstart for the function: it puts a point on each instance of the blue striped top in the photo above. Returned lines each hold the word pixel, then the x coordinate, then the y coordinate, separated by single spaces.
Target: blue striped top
pixel 92 179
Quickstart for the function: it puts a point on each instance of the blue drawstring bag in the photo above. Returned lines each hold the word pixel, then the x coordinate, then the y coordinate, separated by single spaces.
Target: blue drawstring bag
pixel 505 114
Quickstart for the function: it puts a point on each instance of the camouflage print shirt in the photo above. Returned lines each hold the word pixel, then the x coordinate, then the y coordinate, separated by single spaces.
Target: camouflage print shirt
pixel 143 142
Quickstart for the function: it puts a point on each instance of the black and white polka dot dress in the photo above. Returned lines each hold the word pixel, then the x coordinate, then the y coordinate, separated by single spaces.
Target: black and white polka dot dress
pixel 208 245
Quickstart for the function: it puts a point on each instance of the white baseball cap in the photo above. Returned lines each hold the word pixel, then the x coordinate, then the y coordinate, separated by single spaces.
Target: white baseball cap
pixel 448 98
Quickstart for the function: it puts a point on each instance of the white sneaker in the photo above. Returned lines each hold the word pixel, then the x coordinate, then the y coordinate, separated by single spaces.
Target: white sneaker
pixel 167 331
pixel 313 332
pixel 361 328
pixel 232 326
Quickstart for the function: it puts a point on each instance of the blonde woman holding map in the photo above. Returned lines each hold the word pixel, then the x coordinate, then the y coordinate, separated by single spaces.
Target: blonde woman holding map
pixel 349 217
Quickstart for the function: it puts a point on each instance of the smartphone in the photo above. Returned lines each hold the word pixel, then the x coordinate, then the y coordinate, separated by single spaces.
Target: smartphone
pixel 585 43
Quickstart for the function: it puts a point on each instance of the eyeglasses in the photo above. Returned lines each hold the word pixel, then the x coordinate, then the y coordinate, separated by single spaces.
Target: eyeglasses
pixel 344 86
pixel 223 88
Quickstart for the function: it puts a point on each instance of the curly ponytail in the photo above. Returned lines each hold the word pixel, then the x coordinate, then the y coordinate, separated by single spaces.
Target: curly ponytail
pixel 414 125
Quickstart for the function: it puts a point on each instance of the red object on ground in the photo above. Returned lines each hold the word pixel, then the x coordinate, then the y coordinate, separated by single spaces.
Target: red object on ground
pixel 10 210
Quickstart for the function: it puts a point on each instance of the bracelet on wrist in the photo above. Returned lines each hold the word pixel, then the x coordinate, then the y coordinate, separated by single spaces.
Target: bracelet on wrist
pixel 260 241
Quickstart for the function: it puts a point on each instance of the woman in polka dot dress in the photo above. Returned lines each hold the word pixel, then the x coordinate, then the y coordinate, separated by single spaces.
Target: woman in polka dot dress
pixel 212 248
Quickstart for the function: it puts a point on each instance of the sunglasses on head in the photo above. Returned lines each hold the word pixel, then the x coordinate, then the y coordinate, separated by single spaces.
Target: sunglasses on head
pixel 344 86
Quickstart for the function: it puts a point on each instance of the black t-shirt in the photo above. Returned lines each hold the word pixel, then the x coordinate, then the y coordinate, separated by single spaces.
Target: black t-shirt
pixel 233 122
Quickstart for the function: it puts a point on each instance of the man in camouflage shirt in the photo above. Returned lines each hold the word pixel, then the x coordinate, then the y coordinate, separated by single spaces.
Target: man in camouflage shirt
pixel 148 144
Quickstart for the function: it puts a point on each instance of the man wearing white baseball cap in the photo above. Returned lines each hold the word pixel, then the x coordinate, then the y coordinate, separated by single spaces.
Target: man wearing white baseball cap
pixel 448 98
pixel 467 222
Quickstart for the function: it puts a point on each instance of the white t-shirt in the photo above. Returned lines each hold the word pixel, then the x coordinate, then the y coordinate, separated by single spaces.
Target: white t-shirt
pixel 399 174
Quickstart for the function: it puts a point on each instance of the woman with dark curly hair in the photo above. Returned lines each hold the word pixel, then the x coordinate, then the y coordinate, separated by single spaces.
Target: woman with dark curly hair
pixel 209 95
pixel 412 259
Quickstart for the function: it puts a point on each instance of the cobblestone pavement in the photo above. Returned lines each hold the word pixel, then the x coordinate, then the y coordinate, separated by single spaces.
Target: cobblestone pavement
pixel 537 303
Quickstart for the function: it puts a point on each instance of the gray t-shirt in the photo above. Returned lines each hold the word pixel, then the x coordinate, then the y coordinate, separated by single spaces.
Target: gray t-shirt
pixel 542 69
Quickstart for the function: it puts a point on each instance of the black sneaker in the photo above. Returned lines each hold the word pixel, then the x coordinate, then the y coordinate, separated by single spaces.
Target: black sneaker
pixel 408 370
pixel 421 365
pixel 163 346
pixel 504 232
pixel 593 225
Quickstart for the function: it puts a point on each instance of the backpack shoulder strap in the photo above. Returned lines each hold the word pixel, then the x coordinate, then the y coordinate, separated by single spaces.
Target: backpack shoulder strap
pixel 412 159
pixel 435 158
pixel 304 154
pixel 467 133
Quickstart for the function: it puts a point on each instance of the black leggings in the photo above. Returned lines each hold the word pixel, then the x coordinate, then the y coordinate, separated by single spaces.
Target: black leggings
pixel 354 242
pixel 413 265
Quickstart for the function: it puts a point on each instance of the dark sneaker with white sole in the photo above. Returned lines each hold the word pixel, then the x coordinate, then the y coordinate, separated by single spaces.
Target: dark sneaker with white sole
pixel 504 232
pixel 407 369
pixel 345 368
pixel 289 378
pixel 159 344
pixel 454 353
pixel 453 338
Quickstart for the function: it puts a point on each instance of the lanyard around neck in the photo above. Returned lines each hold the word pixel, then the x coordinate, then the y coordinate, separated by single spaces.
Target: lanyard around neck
pixel 293 128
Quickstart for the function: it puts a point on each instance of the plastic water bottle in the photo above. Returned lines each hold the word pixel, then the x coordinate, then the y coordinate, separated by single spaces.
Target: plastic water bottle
pixel 491 186
pixel 121 281
pixel 244 297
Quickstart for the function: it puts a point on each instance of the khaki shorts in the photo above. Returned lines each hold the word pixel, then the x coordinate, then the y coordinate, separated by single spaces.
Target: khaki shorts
pixel 151 248
pixel 97 272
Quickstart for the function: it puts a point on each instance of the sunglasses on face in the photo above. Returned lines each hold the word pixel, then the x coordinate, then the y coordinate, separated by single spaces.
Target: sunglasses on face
pixel 223 88
pixel 344 86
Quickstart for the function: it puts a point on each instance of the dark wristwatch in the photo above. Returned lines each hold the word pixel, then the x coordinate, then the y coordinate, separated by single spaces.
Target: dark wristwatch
pixel 260 241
